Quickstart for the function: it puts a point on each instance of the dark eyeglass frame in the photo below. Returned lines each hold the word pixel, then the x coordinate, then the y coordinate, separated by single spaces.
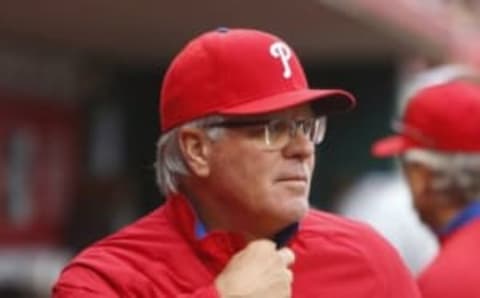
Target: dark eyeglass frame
pixel 307 125
pixel 239 123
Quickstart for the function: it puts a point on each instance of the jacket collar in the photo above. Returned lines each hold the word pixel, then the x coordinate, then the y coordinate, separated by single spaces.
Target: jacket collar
pixel 216 247
pixel 467 215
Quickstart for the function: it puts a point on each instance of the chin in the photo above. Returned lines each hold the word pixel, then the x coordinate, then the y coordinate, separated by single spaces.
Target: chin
pixel 297 209
pixel 427 220
pixel 290 206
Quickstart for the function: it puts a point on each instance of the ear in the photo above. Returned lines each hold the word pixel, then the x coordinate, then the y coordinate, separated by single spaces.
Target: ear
pixel 195 147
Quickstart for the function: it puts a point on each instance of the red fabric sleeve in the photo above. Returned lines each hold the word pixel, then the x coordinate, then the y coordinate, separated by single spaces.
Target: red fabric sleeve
pixel 81 282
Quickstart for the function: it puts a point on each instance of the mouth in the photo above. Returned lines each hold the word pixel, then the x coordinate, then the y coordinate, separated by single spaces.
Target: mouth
pixel 298 175
pixel 295 179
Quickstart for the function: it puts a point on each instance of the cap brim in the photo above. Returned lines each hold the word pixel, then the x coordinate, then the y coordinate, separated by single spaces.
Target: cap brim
pixel 326 101
pixel 391 146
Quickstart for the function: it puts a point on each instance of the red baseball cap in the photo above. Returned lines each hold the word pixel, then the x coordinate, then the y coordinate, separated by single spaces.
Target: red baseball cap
pixel 444 117
pixel 238 72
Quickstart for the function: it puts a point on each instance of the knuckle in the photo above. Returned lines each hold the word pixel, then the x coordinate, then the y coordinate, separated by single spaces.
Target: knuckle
pixel 262 244
pixel 287 255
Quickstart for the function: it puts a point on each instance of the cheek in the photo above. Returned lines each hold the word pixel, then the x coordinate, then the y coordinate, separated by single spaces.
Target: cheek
pixel 245 169
pixel 419 191
pixel 414 180
pixel 254 171
pixel 416 188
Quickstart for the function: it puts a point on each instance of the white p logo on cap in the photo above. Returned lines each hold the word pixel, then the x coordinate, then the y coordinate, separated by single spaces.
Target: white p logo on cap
pixel 279 50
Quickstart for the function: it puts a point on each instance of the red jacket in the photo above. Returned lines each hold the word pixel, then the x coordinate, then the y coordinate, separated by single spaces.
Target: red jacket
pixel 455 272
pixel 159 256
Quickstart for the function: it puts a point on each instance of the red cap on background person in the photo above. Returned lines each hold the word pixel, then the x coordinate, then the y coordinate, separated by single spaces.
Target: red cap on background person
pixel 239 72
pixel 443 117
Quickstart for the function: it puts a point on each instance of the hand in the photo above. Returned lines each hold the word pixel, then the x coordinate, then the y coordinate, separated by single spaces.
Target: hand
pixel 258 271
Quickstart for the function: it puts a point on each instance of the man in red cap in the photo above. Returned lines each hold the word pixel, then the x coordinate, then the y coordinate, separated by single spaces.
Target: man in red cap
pixel 438 142
pixel 235 159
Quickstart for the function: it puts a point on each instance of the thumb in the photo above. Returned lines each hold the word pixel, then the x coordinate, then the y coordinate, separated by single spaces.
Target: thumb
pixel 287 255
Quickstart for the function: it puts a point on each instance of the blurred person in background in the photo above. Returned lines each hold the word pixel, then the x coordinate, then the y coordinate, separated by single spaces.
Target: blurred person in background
pixel 438 143
pixel 240 125
pixel 383 199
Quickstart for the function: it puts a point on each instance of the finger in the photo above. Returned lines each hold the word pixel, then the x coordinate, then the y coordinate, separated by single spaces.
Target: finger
pixel 263 244
pixel 287 255
pixel 289 275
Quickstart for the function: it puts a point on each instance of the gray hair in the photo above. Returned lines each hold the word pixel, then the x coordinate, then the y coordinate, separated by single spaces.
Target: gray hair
pixel 170 164
pixel 459 172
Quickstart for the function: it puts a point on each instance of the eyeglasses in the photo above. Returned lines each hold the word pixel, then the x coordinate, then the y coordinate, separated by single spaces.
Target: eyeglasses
pixel 276 133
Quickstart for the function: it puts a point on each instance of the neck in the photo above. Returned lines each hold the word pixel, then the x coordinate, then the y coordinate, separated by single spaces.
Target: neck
pixel 445 216
pixel 208 207
pixel 448 208
pixel 217 212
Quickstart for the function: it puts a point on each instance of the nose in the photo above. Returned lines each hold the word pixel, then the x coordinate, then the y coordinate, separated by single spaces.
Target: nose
pixel 299 146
